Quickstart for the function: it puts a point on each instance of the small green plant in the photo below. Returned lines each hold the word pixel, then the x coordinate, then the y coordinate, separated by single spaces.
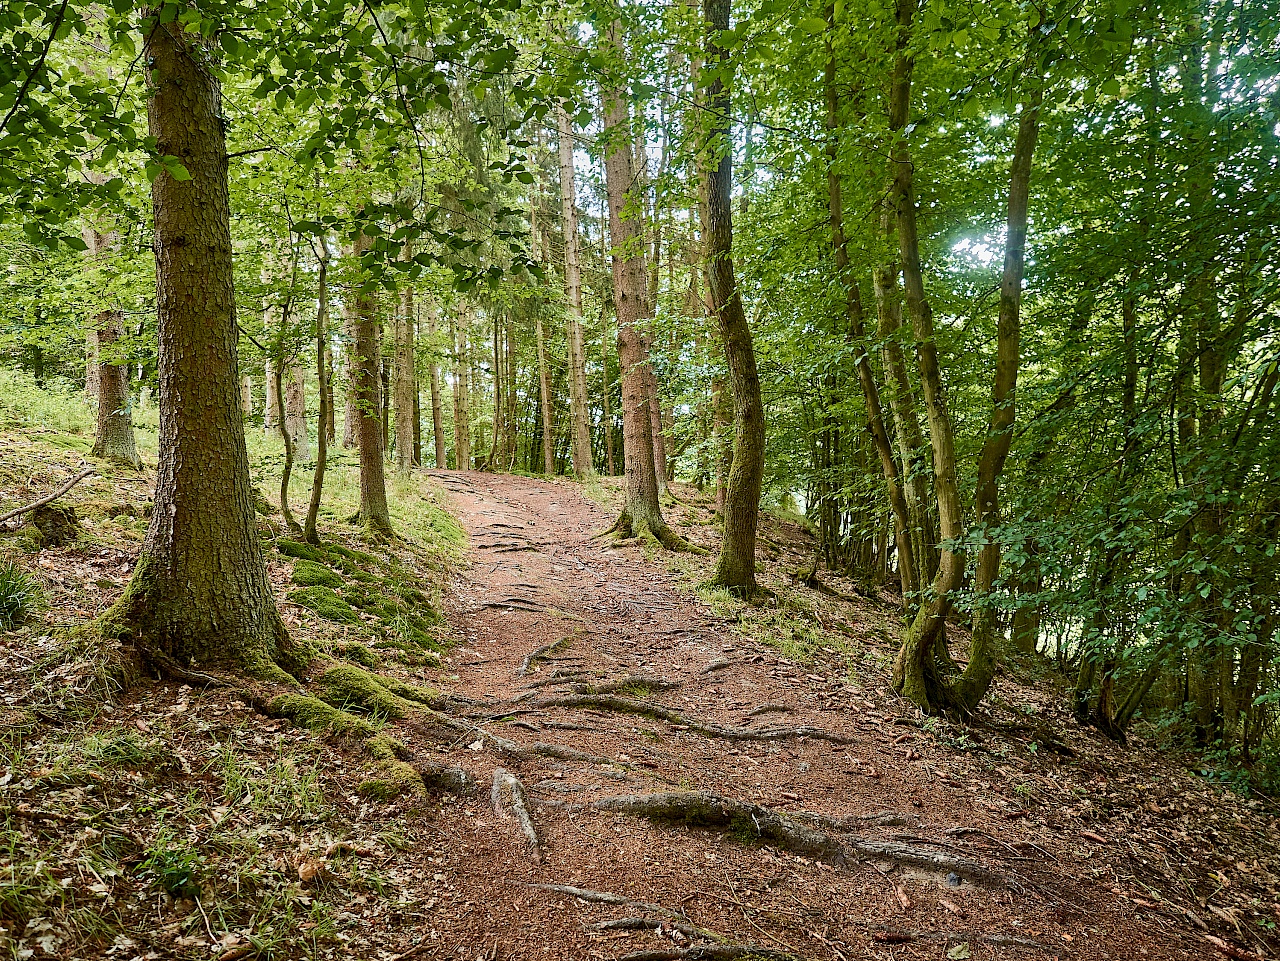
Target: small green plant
pixel 19 595
pixel 173 864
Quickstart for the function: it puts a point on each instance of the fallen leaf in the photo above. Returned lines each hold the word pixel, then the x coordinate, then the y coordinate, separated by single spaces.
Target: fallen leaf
pixel 959 951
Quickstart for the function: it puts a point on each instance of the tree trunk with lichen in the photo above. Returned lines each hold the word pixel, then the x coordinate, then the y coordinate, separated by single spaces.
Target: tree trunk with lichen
pixel 366 389
pixel 199 593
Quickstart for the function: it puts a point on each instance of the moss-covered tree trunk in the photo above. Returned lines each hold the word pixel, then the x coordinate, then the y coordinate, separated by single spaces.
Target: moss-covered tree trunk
pixel 736 565
pixel 199 593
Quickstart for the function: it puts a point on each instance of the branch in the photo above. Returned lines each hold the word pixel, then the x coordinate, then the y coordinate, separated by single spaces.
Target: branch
pixel 26 84
pixel 50 497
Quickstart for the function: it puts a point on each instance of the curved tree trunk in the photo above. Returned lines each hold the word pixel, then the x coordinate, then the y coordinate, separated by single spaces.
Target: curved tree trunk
pixel 199 593
pixel 736 565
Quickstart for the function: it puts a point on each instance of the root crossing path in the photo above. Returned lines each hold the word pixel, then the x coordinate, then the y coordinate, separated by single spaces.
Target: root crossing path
pixel 651 783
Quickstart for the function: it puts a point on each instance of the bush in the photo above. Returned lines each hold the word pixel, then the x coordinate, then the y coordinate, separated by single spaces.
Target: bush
pixel 19 595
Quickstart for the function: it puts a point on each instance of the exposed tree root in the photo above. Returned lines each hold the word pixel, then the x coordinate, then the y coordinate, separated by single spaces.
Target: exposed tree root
pixel 509 800
pixel 631 681
pixel 649 924
pixel 706 810
pixel 627 705
pixel 710 952
pixel 605 897
pixel 534 656
pixel 625 527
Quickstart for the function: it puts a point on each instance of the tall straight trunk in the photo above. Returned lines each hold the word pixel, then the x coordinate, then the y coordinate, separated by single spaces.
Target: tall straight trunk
pixel 351 410
pixel 405 381
pixel 641 513
pixel 857 326
pixel 509 420
pixel 273 418
pixel 736 565
pixel 544 387
pixel 437 412
pixel 499 400
pixel 654 399
pixel 366 390
pixel 199 592
pixel 606 402
pixel 384 396
pixel 461 402
pixel 246 395
pixel 579 411
pixel 324 377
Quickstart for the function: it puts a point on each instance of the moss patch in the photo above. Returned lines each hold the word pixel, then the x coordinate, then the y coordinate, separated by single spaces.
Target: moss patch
pixel 348 687
pixel 384 747
pixel 311 574
pixel 357 653
pixel 323 601
pixel 394 780
pixel 299 550
pixel 315 715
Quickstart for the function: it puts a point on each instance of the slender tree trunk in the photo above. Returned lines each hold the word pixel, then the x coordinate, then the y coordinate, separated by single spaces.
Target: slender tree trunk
pixel 579 412
pixel 324 376
pixel 406 382
pixel 461 402
pixel 544 386
pixel 351 410
pixel 853 308
pixel 366 368
pixel 246 395
pixel 199 592
pixel 437 411
pixel 736 565
pixel 605 400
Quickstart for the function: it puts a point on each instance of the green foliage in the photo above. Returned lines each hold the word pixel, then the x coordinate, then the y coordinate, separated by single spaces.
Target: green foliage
pixel 326 603
pixel 173 864
pixel 20 594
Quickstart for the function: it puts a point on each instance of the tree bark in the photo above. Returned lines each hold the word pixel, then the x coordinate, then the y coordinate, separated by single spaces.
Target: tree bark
pixel 461 402
pixel 641 513
pixel 199 592
pixel 736 565
pixel 366 390
pixel 437 412
pixel 295 412
pixel 114 440
pixel 579 412
pixel 324 377
pixel 406 382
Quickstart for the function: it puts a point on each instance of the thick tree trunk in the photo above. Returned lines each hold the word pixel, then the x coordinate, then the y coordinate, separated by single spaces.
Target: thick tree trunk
pixel 642 513
pixel 367 394
pixel 579 412
pixel 199 592
pixel 406 382
pixel 736 565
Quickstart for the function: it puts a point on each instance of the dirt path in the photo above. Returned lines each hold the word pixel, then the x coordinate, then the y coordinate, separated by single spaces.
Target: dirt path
pixel 633 689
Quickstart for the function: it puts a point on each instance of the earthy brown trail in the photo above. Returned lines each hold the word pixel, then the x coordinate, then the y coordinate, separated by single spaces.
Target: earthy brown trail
pixel 826 826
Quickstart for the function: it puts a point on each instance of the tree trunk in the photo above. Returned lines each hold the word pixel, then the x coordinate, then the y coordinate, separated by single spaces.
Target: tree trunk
pixel 736 565
pixel 579 412
pixel 366 391
pixel 461 403
pixel 114 441
pixel 641 513
pixel 605 400
pixel 437 411
pixel 199 592
pixel 907 567
pixel 406 382
pixel 544 387
pixel 324 378
pixel 351 411
pixel 295 412
pixel 246 395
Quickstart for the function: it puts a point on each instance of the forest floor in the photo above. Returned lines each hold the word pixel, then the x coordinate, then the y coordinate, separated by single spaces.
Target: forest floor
pixel 703 778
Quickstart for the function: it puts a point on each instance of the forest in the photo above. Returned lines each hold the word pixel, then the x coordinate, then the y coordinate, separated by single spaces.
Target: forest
pixel 379 375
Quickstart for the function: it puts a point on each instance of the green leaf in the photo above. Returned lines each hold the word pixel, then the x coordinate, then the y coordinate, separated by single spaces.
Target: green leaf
pixel 814 25
pixel 959 951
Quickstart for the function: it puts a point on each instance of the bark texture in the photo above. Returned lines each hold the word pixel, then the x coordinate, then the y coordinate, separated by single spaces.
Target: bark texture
pixel 579 411
pixel 199 592
pixel 405 379
pixel 736 565
pixel 366 388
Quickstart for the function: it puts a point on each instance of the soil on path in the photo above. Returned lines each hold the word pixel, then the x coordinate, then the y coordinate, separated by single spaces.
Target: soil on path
pixel 602 660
